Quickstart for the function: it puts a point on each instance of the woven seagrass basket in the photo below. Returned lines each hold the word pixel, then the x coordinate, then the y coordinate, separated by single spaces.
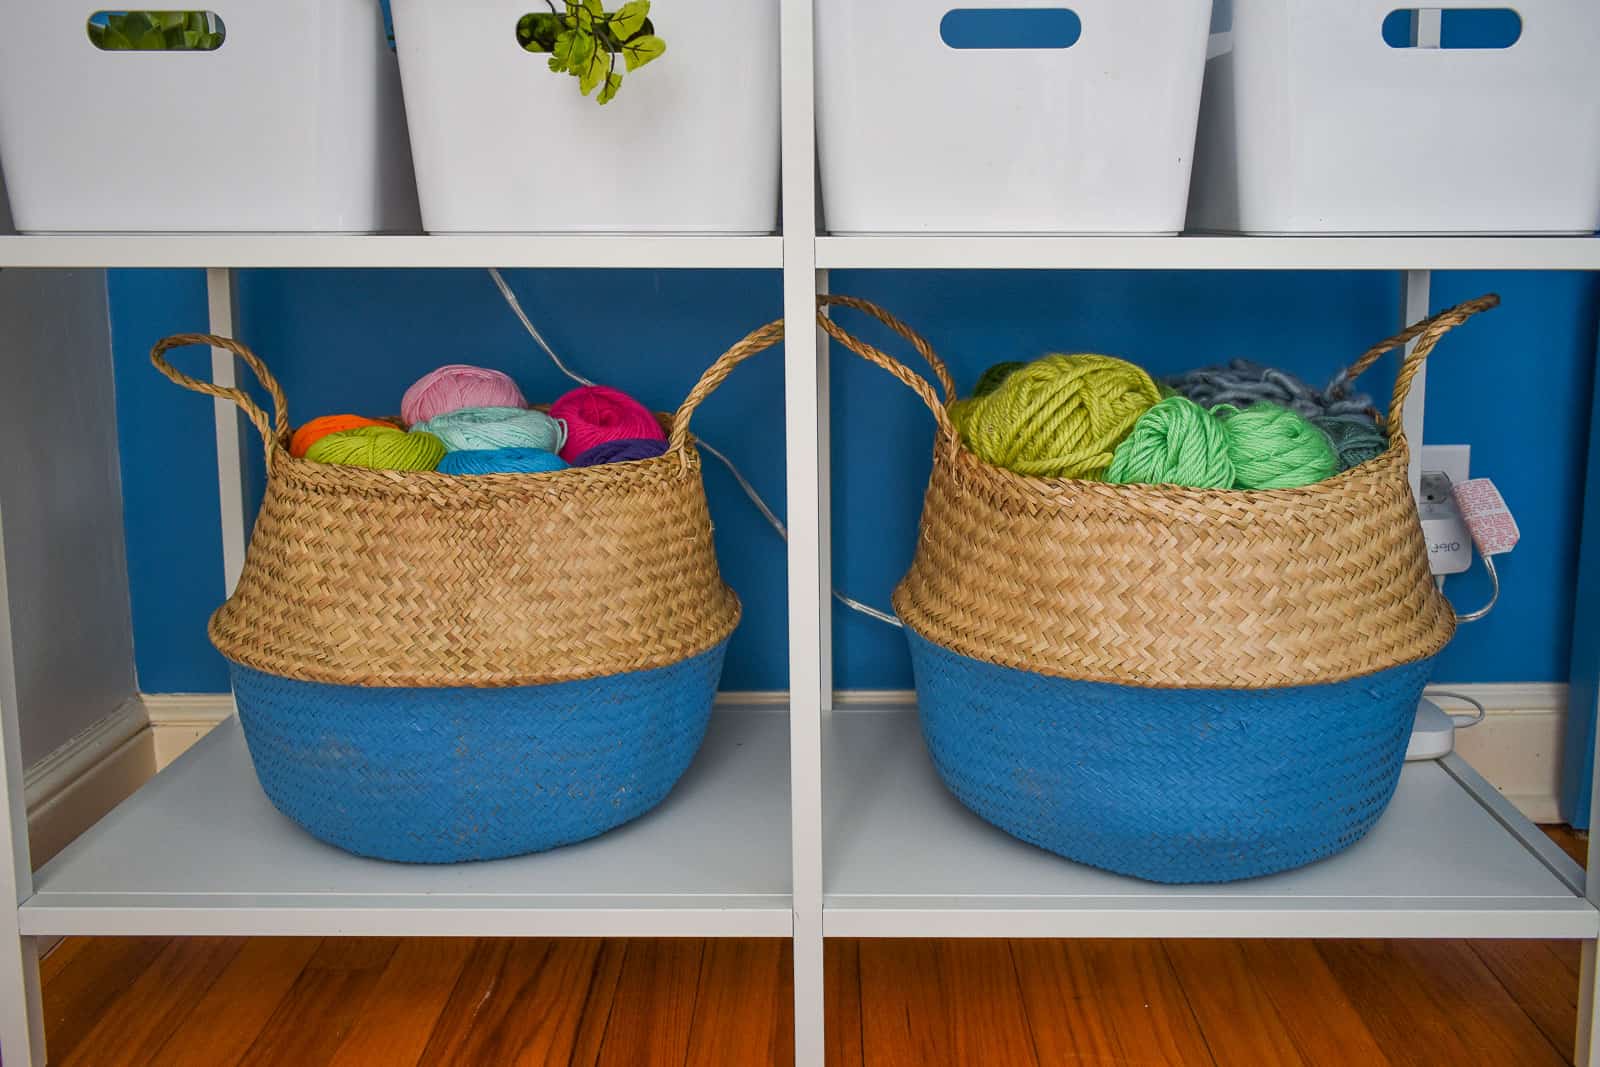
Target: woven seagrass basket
pixel 431 668
pixel 1178 684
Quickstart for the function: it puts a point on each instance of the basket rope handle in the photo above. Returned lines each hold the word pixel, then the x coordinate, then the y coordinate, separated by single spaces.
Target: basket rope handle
pixel 751 344
pixel 1427 334
pixel 910 378
pixel 274 431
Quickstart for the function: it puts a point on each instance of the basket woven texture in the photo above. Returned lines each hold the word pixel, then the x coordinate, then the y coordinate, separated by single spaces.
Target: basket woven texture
pixel 417 656
pixel 1211 620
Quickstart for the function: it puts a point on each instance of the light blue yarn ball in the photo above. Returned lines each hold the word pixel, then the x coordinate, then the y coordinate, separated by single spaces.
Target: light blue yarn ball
pixel 476 429
pixel 501 461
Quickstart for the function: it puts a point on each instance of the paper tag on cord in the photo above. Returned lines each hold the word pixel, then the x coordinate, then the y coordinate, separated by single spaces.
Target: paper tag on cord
pixel 1483 508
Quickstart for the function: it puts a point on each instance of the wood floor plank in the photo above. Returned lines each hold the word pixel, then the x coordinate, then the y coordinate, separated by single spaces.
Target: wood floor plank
pixel 233 1012
pixel 987 1022
pixel 1540 984
pixel 517 1002
pixel 1433 1002
pixel 599 1003
pixel 744 1009
pixel 323 1003
pixel 1066 1016
pixel 841 965
pixel 653 1010
pixel 1237 1017
pixel 903 1005
pixel 405 1004
pixel 1570 953
pixel 89 984
pixel 1320 1017
pixel 1574 843
pixel 1144 1004
pixel 52 963
pixel 134 1027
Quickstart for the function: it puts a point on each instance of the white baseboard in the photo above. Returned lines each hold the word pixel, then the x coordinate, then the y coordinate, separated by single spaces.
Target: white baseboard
pixel 1517 748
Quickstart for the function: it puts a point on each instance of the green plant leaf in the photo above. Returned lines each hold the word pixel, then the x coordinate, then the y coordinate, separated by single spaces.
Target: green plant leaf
pixel 608 92
pixel 584 19
pixel 629 19
pixel 642 49
pixel 561 54
pixel 585 49
pixel 595 72
pixel 594 8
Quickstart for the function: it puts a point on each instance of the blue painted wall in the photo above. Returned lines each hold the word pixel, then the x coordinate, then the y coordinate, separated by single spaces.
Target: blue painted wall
pixel 1515 384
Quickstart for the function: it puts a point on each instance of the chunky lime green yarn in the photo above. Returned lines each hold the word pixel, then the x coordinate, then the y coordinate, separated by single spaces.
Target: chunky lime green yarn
pixel 1177 442
pixel 1274 448
pixel 1057 417
pixel 990 379
pixel 379 447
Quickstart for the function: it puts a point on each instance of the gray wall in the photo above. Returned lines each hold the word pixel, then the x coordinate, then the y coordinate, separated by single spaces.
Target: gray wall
pixel 61 502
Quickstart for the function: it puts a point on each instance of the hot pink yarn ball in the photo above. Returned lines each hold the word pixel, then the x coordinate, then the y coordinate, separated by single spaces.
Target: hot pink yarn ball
pixel 596 414
pixel 458 386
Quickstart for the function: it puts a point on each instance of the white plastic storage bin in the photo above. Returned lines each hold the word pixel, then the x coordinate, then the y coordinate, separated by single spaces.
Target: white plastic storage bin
pixel 503 144
pixel 916 136
pixel 1313 124
pixel 294 124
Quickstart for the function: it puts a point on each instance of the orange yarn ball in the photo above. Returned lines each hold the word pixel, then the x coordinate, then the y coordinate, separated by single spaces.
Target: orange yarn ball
pixel 317 429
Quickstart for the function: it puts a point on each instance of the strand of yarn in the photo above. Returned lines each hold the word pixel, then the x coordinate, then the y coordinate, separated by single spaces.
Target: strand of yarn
pixel 1176 442
pixel 380 448
pixel 1057 417
pixel 991 379
pixel 502 461
pixel 1272 447
pixel 595 414
pixel 1242 383
pixel 471 429
pixel 455 387
pixel 318 428
pixel 622 450
pixel 1356 438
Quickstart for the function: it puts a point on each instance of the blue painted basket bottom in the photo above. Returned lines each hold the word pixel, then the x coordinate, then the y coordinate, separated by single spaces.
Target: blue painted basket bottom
pixel 447 775
pixel 1168 785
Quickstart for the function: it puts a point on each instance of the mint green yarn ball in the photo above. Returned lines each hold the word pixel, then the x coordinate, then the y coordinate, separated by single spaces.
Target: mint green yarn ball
pixel 1272 447
pixel 1176 442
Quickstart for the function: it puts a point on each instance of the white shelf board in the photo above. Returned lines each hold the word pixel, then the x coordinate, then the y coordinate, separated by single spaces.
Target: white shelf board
pixel 892 252
pixel 200 850
pixel 905 859
pixel 316 250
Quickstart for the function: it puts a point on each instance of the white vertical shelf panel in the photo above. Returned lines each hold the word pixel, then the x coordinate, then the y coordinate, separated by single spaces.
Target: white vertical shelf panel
pixel 220 298
pixel 1416 298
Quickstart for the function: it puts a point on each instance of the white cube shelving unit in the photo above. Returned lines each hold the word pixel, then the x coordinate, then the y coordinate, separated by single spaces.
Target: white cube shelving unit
pixel 797 820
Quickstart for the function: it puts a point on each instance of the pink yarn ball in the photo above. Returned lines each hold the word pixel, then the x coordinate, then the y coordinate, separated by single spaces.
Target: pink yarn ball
pixel 596 414
pixel 458 386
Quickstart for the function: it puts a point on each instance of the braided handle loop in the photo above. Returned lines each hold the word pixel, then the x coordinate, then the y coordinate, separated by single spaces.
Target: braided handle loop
pixel 1427 334
pixel 753 343
pixel 274 432
pixel 910 378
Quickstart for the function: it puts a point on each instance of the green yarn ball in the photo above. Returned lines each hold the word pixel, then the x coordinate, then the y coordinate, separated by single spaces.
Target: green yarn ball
pixel 379 448
pixel 1177 442
pixel 1272 447
pixel 1057 417
pixel 992 378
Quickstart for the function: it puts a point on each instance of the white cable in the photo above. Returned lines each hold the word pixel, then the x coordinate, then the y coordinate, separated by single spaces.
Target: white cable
pixel 1460 724
pixel 744 483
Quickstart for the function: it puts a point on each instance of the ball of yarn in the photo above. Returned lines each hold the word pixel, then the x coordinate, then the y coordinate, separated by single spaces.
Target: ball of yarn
pixel 621 451
pixel 1242 383
pixel 502 461
pixel 595 414
pixel 990 379
pixel 318 428
pixel 379 447
pixel 1177 442
pixel 1274 448
pixel 470 429
pixel 455 387
pixel 1356 438
pixel 1057 417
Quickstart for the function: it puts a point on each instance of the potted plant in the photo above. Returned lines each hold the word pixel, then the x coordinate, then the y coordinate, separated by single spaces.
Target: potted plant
pixel 585 41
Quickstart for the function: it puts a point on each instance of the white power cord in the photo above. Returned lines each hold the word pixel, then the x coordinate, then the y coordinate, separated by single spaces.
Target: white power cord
pixel 749 490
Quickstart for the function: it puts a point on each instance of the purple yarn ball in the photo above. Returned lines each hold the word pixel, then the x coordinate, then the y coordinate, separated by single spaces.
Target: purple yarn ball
pixel 620 451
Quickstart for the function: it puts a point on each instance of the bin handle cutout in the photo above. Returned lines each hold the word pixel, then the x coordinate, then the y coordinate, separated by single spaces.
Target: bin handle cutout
pixel 1476 29
pixel 989 29
pixel 156 31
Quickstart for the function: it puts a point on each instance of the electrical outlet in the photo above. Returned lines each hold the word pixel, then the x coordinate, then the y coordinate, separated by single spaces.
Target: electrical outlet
pixel 1449 541
pixel 1453 461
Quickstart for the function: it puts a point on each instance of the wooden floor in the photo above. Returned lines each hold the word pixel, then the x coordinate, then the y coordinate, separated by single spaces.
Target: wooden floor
pixel 216 1002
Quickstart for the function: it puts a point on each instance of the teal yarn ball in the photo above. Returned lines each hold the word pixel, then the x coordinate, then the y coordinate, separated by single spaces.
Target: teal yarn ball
pixel 1272 447
pixel 502 461
pixel 476 429
pixel 1176 442
pixel 1356 438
